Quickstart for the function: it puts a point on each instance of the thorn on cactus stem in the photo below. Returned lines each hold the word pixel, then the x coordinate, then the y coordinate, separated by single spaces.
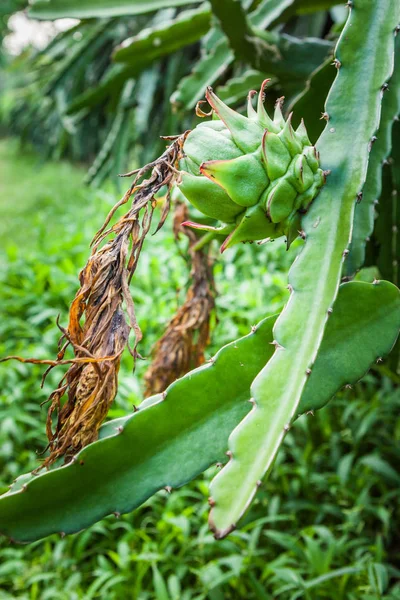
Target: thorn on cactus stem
pixel 120 429
pixel 376 281
pixel 117 515
pixel 346 252
pixel 277 345
pixel 376 202
pixel 325 116
pixel 349 4
pixel 229 454
pixel 290 287
pixel 308 371
pixel 310 413
pixel 219 465
pixel 359 197
pixel 163 395
pixel 330 311
pixel 168 489
pixel 302 234
pixel 259 483
pixel 211 502
pixel 62 534
pixel 371 142
pixel 81 462
pixel 252 401
pixel 348 386
pixel 385 87
pixel 253 329
pixel 24 488
pixel 286 427
pixel 337 63
pixel 397 29
pixel 135 408
pixel 379 360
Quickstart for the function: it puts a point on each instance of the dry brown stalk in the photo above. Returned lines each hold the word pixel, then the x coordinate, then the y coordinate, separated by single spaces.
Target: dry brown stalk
pixel 182 346
pixel 102 314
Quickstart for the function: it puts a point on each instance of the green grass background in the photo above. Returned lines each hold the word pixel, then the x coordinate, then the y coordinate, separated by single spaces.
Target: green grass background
pixel 326 523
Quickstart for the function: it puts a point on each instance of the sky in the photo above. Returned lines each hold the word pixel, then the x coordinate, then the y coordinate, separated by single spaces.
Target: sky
pixel 37 33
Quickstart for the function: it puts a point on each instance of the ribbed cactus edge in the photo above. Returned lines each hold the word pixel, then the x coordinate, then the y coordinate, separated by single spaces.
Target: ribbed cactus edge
pixel 353 114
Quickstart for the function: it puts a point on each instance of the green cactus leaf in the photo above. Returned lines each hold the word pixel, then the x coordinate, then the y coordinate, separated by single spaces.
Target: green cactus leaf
pixel 354 115
pixel 164 444
pixel 362 328
pixel 268 51
pixel 380 149
pixel 207 70
pixel 233 20
pixel 235 89
pixel 153 42
pixel 309 104
pixel 167 442
pixel 110 84
pixel 215 62
pixel 386 232
pixel 88 9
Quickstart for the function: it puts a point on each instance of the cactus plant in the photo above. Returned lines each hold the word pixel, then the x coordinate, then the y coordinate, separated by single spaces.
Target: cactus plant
pixel 315 276
pixel 162 444
pixel 253 177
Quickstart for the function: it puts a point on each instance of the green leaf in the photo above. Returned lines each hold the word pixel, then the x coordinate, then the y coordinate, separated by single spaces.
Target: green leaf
pixel 215 62
pixel 154 42
pixel 363 327
pixel 268 51
pixel 170 440
pixel 88 9
pixel 309 104
pixel 233 21
pixel 237 88
pixel 365 51
pixel 209 67
pixel 380 150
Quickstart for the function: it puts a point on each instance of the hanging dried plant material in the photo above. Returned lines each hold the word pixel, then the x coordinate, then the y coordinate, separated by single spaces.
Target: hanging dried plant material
pixel 182 346
pixel 102 315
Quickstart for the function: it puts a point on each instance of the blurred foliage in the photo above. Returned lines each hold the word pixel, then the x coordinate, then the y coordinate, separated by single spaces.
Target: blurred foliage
pixel 105 90
pixel 325 524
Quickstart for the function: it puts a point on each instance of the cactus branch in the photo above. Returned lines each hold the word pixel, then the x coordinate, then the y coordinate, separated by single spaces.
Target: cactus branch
pixel 314 278
pixel 163 442
pixel 380 151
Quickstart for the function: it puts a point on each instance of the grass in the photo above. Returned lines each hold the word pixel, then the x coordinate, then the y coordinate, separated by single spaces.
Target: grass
pixel 326 523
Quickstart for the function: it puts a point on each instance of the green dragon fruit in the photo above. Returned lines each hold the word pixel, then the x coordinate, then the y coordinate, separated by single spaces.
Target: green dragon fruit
pixel 254 174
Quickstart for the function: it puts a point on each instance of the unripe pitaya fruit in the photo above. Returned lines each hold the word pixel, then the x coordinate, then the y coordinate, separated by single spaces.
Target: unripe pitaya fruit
pixel 254 174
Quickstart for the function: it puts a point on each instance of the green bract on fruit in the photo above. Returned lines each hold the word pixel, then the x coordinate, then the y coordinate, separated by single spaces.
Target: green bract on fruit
pixel 254 174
